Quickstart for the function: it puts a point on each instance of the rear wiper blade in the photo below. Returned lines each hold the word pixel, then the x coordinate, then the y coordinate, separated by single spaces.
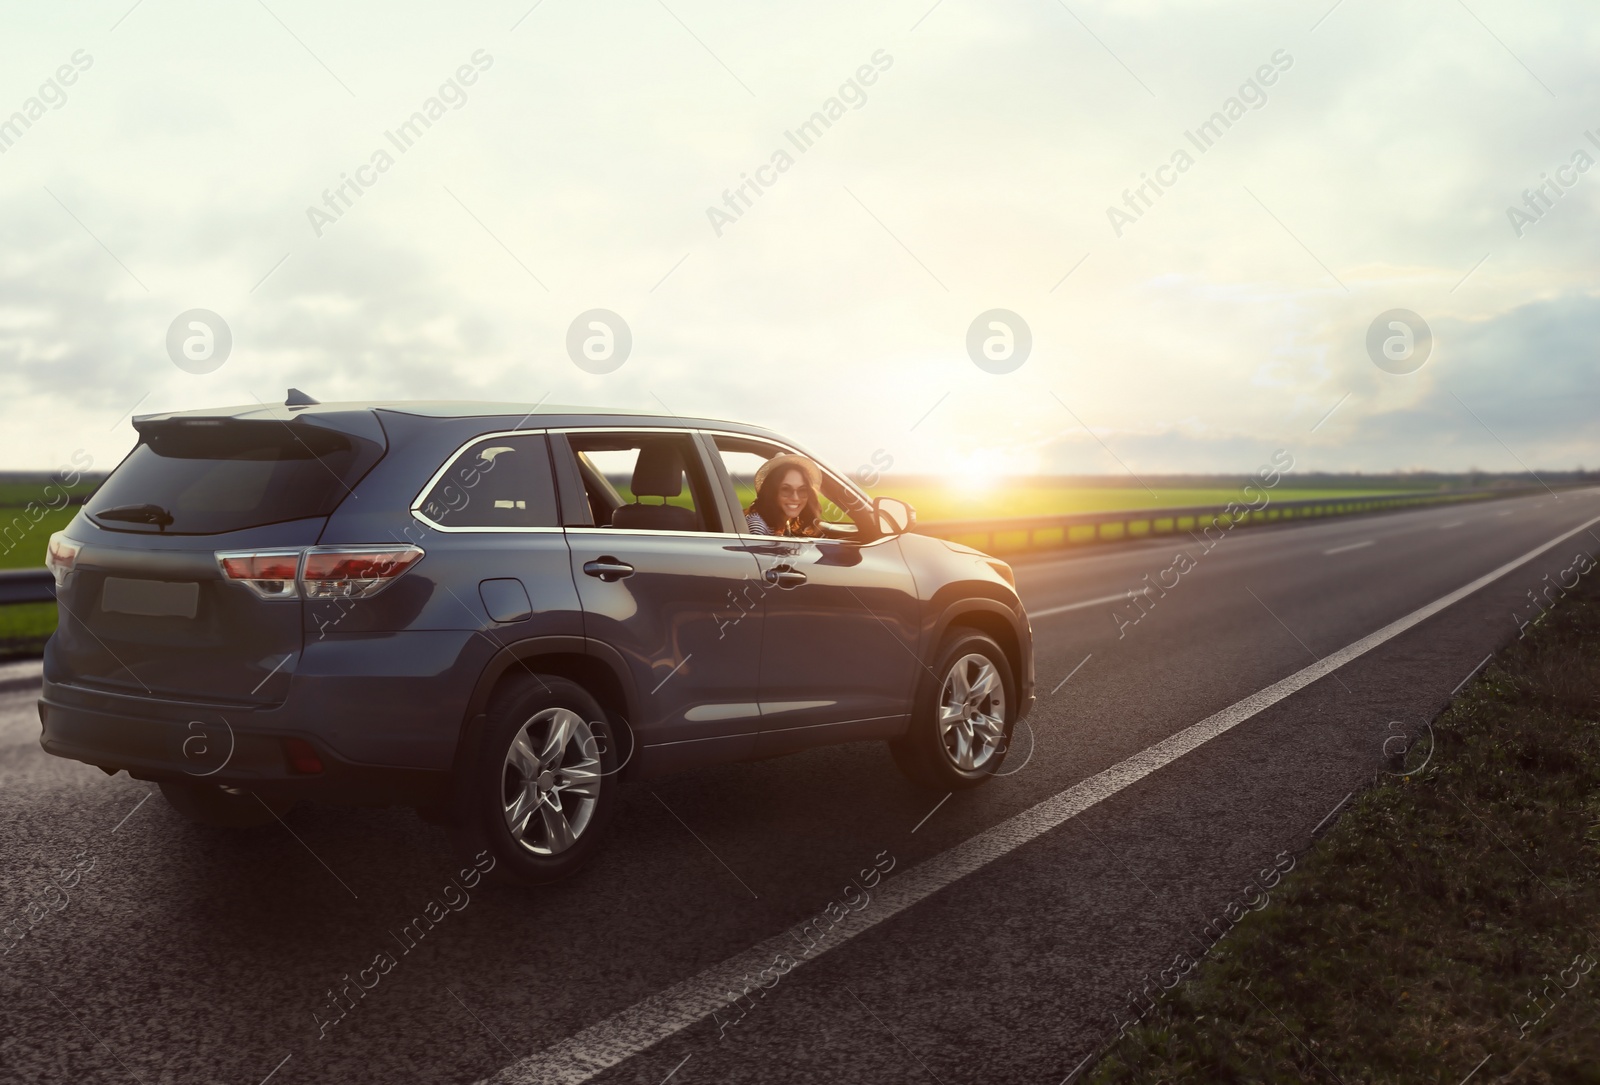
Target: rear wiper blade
pixel 137 514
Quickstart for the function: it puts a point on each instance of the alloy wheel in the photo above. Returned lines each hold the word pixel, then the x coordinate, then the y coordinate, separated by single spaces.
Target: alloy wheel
pixel 972 712
pixel 551 781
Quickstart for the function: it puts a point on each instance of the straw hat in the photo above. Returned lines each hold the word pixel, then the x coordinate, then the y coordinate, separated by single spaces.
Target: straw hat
pixel 785 461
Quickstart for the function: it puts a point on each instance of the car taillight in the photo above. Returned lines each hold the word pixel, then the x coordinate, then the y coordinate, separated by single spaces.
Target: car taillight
pixel 60 556
pixel 354 572
pixel 302 756
pixel 320 572
pixel 269 573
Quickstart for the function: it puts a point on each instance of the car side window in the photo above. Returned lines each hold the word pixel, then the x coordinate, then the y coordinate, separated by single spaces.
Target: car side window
pixel 843 513
pixel 741 467
pixel 644 481
pixel 496 482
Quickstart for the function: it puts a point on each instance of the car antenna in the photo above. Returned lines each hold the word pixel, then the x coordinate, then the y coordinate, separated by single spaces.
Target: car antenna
pixel 297 398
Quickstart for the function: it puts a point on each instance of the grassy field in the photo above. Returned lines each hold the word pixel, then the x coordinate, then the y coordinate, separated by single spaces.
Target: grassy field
pixel 25 628
pixel 1444 930
pixel 948 503
pixel 1033 498
pixel 22 541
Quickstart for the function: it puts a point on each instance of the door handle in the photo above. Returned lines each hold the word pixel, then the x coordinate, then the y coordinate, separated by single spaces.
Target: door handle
pixel 608 568
pixel 785 576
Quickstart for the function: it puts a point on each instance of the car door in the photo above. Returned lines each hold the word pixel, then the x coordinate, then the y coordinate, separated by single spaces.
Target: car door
pixel 663 583
pixel 839 651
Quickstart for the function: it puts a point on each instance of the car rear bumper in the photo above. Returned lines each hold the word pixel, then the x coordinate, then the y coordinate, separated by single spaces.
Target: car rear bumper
pixel 383 713
pixel 170 741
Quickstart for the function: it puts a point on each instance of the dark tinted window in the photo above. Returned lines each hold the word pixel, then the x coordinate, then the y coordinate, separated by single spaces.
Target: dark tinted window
pixel 497 482
pixel 203 478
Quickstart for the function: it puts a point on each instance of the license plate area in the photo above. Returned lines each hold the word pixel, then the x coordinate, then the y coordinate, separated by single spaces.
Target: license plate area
pixel 150 598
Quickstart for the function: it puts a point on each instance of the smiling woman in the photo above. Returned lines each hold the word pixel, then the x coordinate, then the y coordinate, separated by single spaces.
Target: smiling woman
pixel 788 490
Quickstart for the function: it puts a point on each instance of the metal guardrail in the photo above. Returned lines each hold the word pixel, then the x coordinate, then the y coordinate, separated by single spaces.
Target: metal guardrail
pixel 27 586
pixel 1028 532
pixel 1077 529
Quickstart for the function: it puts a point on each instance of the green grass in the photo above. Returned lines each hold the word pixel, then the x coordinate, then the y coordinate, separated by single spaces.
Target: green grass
pixel 25 627
pixel 20 493
pixel 950 503
pixel 935 502
pixel 1408 944
pixel 932 502
pixel 22 541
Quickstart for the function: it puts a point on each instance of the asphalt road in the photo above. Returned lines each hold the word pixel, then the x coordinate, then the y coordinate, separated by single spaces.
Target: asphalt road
pixel 187 955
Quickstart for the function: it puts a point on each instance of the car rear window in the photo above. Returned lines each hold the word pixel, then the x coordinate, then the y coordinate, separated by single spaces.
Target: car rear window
pixel 205 477
pixel 495 483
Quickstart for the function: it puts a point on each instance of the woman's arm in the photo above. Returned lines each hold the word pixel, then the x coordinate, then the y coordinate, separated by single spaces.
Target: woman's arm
pixel 756 525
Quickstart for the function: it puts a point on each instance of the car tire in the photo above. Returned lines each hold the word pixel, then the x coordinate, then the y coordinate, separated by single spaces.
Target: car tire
pixel 962 718
pixel 220 807
pixel 539 789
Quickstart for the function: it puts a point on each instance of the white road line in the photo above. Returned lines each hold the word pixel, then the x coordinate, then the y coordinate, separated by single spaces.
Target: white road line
pixel 647 1022
pixel 1451 524
pixel 1352 546
pixel 1120 597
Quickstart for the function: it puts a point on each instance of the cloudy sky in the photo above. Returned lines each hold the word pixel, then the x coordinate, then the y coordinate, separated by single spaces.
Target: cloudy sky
pixel 580 168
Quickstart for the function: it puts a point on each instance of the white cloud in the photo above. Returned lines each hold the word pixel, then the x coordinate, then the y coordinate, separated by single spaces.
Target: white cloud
pixel 976 173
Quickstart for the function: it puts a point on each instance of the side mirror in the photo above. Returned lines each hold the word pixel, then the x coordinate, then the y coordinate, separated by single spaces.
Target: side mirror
pixel 893 516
